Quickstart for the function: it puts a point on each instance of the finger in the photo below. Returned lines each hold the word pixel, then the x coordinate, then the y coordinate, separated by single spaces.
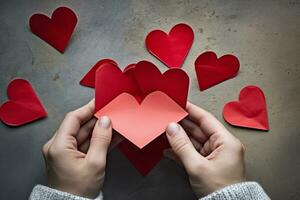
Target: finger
pixel 47 145
pixel 196 144
pixel 182 146
pixel 84 147
pixel 85 131
pixel 74 119
pixel 207 122
pixel 100 141
pixel 206 150
pixel 194 130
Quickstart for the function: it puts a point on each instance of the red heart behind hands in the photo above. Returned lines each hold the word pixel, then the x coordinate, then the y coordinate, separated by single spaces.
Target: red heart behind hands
pixel 173 48
pixel 210 70
pixel 146 158
pixel 250 111
pixel 56 31
pixel 23 105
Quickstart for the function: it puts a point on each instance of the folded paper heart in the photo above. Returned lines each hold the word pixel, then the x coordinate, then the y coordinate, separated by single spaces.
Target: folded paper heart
pixel 23 105
pixel 171 48
pixel 250 111
pixel 210 70
pixel 56 30
pixel 142 123
pixel 140 80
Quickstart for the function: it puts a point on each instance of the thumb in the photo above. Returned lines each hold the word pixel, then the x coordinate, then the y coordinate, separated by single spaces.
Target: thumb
pixel 183 147
pixel 100 141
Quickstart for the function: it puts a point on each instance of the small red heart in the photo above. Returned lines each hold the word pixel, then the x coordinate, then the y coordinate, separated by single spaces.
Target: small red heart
pixel 250 111
pixel 171 48
pixel 210 70
pixel 89 79
pixel 148 119
pixel 23 105
pixel 56 31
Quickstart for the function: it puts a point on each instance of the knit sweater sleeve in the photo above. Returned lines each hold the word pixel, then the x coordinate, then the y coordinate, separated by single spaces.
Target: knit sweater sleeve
pixel 41 192
pixel 239 191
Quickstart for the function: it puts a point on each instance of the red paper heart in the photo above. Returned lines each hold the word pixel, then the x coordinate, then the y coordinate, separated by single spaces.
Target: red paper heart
pixel 56 31
pixel 148 119
pixel 139 80
pixel 23 105
pixel 89 79
pixel 174 82
pixel 210 70
pixel 146 158
pixel 171 48
pixel 250 111
pixel 142 159
pixel 111 82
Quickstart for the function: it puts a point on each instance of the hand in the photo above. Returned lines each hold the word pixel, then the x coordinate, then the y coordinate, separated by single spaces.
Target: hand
pixel 212 157
pixel 75 158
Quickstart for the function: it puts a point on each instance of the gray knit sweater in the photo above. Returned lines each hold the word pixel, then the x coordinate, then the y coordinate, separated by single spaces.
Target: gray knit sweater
pixel 240 191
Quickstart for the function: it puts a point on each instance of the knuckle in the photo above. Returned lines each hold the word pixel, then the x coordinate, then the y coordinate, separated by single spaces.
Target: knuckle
pixel 53 152
pixel 70 114
pixel 103 138
pixel 97 164
pixel 180 144
pixel 241 147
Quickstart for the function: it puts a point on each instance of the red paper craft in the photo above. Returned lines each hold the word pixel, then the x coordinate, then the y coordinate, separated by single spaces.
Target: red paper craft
pixel 148 120
pixel 146 158
pixel 139 80
pixel 89 79
pixel 111 82
pixel 250 111
pixel 171 48
pixel 23 105
pixel 210 70
pixel 56 31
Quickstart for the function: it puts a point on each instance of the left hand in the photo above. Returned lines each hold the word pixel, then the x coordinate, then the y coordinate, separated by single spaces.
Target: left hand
pixel 75 158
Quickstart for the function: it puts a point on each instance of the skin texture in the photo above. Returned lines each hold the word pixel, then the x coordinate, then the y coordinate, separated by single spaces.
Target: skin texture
pixel 76 154
pixel 212 156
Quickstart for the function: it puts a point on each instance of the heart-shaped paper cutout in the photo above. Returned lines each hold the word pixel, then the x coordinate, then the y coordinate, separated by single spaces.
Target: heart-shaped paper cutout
pixel 111 82
pixel 210 70
pixel 146 158
pixel 139 80
pixel 23 105
pixel 89 79
pixel 56 31
pixel 250 111
pixel 171 48
pixel 173 82
pixel 148 120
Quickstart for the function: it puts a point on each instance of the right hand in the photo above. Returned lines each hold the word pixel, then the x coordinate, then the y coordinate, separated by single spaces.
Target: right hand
pixel 211 155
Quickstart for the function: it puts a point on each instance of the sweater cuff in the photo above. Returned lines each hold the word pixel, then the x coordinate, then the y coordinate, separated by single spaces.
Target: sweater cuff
pixel 40 192
pixel 239 191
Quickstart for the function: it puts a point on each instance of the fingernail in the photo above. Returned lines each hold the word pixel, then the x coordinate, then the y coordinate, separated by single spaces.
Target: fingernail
pixel 172 129
pixel 104 122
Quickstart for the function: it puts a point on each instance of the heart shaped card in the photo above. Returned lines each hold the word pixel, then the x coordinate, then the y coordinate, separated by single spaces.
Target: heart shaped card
pixel 211 70
pixel 56 30
pixel 141 84
pixel 23 105
pixel 250 111
pixel 171 48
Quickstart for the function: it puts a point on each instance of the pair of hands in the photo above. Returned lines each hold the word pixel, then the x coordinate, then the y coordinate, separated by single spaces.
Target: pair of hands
pixel 76 154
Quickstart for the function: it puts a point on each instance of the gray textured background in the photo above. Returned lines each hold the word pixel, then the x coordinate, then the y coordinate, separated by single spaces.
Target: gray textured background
pixel 264 35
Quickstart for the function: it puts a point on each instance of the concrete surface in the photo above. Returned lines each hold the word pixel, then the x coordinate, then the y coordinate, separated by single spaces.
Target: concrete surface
pixel 264 35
